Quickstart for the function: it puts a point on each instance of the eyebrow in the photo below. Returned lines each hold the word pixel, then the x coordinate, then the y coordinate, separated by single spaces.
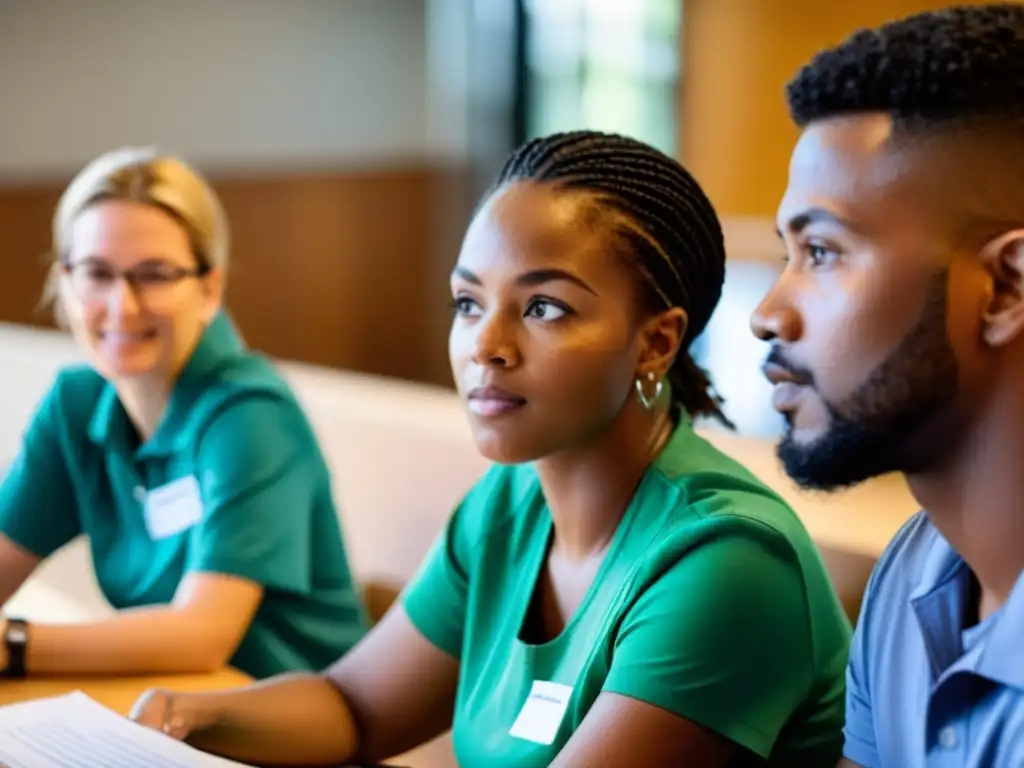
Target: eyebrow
pixel 804 219
pixel 95 258
pixel 532 278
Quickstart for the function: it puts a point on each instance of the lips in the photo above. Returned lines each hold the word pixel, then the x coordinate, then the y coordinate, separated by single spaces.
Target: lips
pixel 493 401
pixel 116 342
pixel 786 395
pixel 788 386
pixel 127 336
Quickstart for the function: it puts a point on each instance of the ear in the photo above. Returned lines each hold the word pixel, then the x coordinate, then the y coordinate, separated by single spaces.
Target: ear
pixel 661 336
pixel 55 294
pixel 1003 320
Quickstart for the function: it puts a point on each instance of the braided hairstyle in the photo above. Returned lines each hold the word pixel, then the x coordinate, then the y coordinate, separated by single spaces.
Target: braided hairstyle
pixel 662 217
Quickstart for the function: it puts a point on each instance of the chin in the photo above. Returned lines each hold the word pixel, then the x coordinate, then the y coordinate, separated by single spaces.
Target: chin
pixel 501 447
pixel 125 366
pixel 805 437
pixel 501 451
pixel 838 458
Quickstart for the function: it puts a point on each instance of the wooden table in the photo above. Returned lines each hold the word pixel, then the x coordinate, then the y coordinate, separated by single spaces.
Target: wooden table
pixel 117 693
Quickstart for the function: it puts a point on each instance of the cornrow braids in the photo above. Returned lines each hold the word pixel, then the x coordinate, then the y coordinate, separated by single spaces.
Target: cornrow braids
pixel 662 215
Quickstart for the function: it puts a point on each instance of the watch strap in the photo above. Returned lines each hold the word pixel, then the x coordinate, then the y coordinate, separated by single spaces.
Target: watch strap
pixel 15 643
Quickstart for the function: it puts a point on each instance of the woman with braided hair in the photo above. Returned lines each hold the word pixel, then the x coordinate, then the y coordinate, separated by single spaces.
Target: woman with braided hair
pixel 615 591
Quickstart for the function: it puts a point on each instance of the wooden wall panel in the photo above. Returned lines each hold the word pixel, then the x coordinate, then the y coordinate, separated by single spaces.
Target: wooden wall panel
pixel 341 269
pixel 737 55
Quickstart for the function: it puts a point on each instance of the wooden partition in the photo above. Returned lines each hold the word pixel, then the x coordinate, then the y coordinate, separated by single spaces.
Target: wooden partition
pixel 737 55
pixel 347 269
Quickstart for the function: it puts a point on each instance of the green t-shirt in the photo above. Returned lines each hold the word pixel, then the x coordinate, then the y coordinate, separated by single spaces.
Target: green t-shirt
pixel 712 603
pixel 235 443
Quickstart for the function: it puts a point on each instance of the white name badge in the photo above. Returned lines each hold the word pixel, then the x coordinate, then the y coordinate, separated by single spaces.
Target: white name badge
pixel 542 714
pixel 173 508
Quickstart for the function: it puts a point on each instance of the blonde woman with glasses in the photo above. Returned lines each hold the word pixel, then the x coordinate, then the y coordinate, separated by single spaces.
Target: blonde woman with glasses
pixel 183 456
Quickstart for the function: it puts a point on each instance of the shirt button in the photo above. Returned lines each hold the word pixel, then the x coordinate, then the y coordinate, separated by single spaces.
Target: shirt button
pixel 947 737
pixel 140 494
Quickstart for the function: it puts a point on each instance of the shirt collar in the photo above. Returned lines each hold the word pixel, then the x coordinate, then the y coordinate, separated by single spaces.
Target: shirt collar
pixel 219 343
pixel 1001 658
pixel 939 602
pixel 105 415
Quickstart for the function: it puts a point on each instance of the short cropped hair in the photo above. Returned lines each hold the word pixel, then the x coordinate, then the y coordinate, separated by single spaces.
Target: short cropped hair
pixel 950 65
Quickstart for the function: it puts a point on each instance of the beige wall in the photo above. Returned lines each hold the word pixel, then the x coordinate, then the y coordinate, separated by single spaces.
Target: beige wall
pixel 229 83
pixel 333 129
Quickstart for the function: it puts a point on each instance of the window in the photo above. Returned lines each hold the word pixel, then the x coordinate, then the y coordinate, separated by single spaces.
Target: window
pixel 609 65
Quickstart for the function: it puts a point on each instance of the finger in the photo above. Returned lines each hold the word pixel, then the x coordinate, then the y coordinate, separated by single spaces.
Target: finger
pixel 176 728
pixel 148 708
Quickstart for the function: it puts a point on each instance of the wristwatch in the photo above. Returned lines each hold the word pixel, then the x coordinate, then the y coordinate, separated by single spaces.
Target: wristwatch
pixel 15 642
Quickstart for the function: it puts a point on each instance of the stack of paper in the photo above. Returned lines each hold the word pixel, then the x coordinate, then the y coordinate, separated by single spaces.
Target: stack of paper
pixel 74 731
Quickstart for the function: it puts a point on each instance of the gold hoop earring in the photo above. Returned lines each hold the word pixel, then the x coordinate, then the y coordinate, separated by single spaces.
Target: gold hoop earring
pixel 648 402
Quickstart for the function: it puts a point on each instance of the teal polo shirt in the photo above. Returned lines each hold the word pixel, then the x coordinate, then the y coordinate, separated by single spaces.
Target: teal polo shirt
pixel 232 482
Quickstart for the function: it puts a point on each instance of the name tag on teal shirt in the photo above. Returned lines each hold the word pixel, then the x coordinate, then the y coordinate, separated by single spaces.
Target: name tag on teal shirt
pixel 173 508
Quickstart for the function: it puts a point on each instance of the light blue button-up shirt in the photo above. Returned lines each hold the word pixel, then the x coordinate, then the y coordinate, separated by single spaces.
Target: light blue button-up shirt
pixel 922 692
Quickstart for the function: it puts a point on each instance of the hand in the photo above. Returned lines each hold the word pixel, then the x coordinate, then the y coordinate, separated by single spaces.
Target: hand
pixel 162 711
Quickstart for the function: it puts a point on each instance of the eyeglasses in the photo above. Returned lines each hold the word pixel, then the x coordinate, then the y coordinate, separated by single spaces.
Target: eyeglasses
pixel 92 280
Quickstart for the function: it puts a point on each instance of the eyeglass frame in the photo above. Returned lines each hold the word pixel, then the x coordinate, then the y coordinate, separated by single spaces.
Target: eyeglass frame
pixel 176 274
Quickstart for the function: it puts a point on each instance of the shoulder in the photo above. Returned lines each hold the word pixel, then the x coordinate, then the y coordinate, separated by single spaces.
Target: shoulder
pixel 239 378
pixel 248 400
pixel 494 503
pixel 725 529
pixel 711 495
pixel 70 402
pixel 253 429
pixel 77 389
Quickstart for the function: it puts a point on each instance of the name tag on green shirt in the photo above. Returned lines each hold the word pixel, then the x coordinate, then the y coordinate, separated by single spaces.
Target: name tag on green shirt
pixel 542 713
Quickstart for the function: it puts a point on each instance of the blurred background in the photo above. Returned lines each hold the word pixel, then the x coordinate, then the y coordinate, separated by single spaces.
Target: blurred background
pixel 350 140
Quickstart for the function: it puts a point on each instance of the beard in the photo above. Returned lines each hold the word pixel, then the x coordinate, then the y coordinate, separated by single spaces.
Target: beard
pixel 868 430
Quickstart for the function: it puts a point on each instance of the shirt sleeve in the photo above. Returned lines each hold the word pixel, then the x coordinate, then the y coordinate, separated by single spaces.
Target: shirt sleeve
pixel 259 473
pixel 38 509
pixel 722 638
pixel 859 732
pixel 436 598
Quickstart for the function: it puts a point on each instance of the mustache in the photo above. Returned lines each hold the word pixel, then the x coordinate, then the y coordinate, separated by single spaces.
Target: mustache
pixel 777 358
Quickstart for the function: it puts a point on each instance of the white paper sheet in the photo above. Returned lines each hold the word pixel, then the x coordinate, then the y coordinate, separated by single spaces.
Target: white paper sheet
pixel 74 731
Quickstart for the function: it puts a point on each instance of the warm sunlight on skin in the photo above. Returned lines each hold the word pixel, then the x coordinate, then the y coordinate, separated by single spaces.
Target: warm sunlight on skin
pixel 540 328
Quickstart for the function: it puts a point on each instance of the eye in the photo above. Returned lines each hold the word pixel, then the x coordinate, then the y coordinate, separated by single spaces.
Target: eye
pixel 94 273
pixel 465 306
pixel 546 310
pixel 821 255
pixel 158 273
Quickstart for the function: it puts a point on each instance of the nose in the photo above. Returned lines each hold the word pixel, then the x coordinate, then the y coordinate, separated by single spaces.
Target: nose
pixel 496 345
pixel 123 298
pixel 775 317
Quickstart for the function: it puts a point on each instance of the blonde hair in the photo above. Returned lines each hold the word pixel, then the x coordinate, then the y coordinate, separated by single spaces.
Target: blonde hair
pixel 144 175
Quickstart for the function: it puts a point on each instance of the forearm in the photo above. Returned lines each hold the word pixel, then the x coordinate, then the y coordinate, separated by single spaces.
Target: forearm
pixel 151 640
pixel 299 719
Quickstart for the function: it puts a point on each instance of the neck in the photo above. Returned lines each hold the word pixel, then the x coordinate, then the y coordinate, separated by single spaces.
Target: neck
pixel 973 496
pixel 145 400
pixel 588 490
